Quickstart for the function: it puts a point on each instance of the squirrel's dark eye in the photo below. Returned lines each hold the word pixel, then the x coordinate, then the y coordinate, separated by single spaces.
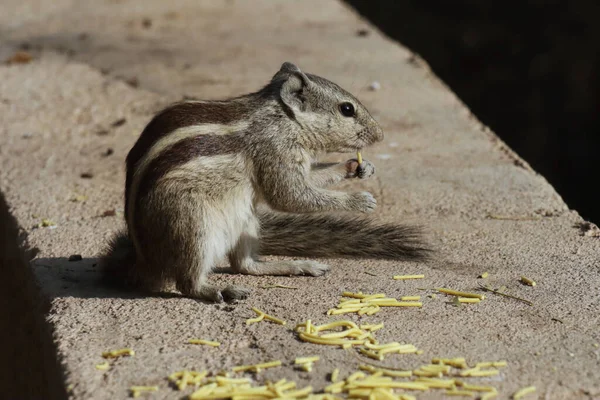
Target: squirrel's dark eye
pixel 347 109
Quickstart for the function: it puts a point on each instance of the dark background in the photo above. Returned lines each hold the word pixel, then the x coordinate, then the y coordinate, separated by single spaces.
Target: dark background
pixel 529 70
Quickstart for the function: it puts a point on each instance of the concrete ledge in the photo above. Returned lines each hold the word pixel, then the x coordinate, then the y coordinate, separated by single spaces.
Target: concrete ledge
pixel 485 208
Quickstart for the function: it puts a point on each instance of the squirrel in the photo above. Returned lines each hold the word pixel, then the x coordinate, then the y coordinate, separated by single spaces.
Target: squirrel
pixel 239 178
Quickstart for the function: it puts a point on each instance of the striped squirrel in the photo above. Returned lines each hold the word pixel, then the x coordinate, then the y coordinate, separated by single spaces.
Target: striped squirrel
pixel 200 175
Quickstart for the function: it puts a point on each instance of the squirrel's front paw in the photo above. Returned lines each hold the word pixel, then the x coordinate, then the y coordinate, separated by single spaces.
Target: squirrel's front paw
pixel 361 171
pixel 363 202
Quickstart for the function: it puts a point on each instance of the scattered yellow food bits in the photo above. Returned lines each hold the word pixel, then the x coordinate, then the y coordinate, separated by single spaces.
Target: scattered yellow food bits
pixel 461 294
pixel 368 304
pixel 118 353
pixel 523 392
pixel 262 316
pixel 136 391
pixel 335 375
pixel 489 364
pixel 484 275
pixel 257 367
pixel 359 157
pixel 527 281
pixel 404 277
pixel 410 298
pixel 184 378
pixel 468 300
pixel 103 366
pixel 304 360
pixel 204 342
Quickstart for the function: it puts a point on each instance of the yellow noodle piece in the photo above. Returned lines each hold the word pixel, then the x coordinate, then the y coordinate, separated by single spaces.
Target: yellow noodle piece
pixel 359 393
pixel 268 317
pixel 318 340
pixel 410 298
pixel 461 294
pixel 359 157
pixel 144 388
pixel 436 367
pixel 407 397
pixel 347 306
pixel 458 362
pixel 403 304
pixel 427 374
pixel 335 387
pixel 372 310
pixel 490 395
pixel 377 383
pixel 523 392
pixel 257 367
pixel 204 342
pixel 368 310
pixel 477 388
pixel 309 326
pixel 118 353
pixel 184 381
pixel 397 349
pixel 287 386
pixel 375 296
pixel 103 366
pixel 335 375
pixel 175 375
pixel 478 372
pixel 349 332
pixel 468 300
pixel 254 320
pixel 489 364
pixel 269 364
pixel 371 346
pixel 306 366
pixel 299 393
pixel 371 327
pixel 203 391
pixel 371 354
pixel 382 300
pixel 527 281
pixel 387 372
pixel 384 394
pixel 334 311
pixel 355 376
pixel 407 349
pixel 484 275
pixel 349 301
pixel 358 295
pixel 303 360
pixel 403 277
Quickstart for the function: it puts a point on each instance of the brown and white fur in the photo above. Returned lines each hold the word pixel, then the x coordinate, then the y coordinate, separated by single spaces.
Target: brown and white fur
pixel 200 169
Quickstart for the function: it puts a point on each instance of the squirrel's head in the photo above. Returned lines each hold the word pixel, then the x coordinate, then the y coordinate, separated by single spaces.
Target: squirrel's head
pixel 333 119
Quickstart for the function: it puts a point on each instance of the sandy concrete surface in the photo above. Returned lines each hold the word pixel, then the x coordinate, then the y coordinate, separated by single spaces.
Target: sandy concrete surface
pixel 100 69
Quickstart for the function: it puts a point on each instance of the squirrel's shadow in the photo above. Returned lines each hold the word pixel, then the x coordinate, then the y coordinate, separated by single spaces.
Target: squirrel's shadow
pixel 59 277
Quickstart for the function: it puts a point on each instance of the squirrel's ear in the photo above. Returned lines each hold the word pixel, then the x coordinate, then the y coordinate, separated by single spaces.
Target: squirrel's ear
pixel 294 81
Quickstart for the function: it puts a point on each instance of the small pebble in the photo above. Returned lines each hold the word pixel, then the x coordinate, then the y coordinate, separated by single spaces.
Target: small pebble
pixel 75 257
pixel 374 86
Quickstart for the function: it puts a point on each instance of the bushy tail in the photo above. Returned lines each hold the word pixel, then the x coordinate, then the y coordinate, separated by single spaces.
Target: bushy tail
pixel 118 262
pixel 339 236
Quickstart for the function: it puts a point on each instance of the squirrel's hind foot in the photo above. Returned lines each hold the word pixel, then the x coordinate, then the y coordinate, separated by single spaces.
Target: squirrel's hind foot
pixel 216 294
